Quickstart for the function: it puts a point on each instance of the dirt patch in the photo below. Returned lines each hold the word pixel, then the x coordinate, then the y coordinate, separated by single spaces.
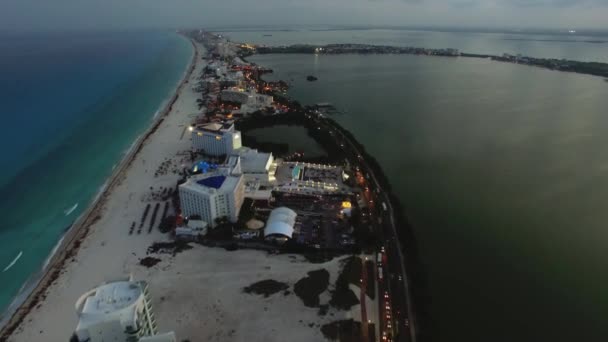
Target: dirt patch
pixel 347 331
pixel 323 309
pixel 231 247
pixel 309 288
pixel 149 261
pixel 343 331
pixel 342 297
pixel 169 247
pixel 318 258
pixel 266 287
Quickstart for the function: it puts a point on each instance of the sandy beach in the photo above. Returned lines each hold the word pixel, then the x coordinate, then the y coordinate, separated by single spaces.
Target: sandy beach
pixel 197 293
pixel 99 247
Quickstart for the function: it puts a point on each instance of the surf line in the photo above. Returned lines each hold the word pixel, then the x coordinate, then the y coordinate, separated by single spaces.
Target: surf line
pixel 12 262
pixel 70 210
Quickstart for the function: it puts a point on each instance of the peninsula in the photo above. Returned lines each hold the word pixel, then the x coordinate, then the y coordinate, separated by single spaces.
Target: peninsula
pixel 589 68
pixel 225 238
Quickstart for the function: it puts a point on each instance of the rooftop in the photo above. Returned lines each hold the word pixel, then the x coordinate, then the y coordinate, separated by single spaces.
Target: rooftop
pixel 216 126
pixel 212 182
pixel 281 222
pixel 253 161
pixel 112 302
pixel 112 297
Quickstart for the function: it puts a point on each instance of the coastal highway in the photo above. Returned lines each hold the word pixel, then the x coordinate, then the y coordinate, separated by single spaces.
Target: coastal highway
pixel 395 281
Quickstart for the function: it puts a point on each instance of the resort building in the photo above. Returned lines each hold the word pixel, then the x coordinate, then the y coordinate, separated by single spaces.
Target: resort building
pixel 216 139
pixel 280 224
pixel 235 95
pixel 117 311
pixel 192 230
pixel 233 79
pixel 213 195
pixel 310 179
pixel 250 101
pixel 255 166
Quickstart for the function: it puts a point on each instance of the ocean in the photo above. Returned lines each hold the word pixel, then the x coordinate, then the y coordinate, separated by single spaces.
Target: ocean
pixel 502 169
pixel 62 94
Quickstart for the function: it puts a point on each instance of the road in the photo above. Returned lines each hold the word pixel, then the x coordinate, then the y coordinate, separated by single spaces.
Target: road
pixel 401 322
pixel 363 300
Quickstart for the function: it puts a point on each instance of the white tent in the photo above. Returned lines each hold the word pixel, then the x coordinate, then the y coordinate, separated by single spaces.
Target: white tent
pixel 280 222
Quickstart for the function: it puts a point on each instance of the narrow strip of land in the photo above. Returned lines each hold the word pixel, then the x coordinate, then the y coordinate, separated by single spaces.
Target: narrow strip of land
pixel 589 68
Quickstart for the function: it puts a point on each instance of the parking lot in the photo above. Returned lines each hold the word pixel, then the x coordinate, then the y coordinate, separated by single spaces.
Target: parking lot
pixel 320 223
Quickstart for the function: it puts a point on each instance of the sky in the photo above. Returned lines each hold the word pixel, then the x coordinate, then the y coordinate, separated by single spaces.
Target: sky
pixel 18 15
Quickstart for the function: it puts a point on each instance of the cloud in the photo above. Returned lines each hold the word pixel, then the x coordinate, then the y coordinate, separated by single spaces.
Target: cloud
pixel 104 14
pixel 555 3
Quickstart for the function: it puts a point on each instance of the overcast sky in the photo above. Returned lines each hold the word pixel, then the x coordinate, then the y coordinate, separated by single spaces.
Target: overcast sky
pixel 118 14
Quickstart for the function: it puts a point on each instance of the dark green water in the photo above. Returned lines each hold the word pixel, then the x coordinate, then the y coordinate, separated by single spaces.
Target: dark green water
pixel 504 173
pixel 296 137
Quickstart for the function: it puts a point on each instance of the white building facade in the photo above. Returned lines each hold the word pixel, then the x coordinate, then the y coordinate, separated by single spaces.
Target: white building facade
pixel 256 166
pixel 118 311
pixel 212 196
pixel 216 139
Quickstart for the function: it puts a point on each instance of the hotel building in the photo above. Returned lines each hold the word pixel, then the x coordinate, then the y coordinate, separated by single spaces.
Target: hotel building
pixel 117 311
pixel 213 195
pixel 216 139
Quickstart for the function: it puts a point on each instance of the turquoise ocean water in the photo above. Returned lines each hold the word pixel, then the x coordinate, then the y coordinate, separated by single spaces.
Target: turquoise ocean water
pixel 61 94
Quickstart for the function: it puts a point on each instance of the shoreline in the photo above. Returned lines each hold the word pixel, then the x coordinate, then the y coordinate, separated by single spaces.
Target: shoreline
pixel 415 280
pixel 599 69
pixel 33 290
pixel 406 248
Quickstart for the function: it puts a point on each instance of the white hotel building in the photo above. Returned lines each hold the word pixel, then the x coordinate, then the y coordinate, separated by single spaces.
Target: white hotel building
pixel 213 195
pixel 255 166
pixel 216 139
pixel 118 311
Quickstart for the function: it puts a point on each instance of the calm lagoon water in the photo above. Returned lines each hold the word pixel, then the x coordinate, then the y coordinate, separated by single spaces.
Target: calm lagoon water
pixel 503 170
pixel 296 137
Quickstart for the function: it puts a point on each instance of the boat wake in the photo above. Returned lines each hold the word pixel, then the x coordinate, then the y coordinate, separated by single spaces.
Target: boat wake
pixel 12 262
pixel 70 210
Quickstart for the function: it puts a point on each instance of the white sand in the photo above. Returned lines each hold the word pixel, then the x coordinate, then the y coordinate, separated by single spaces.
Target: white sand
pixel 198 293
pixel 203 299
